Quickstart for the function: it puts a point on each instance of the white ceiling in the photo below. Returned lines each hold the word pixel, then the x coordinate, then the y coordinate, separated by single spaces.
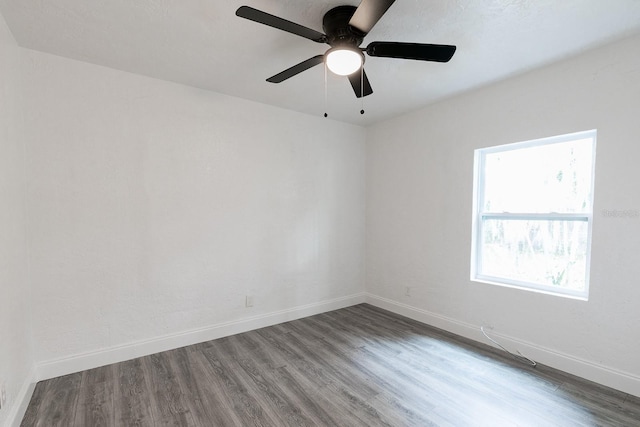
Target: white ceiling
pixel 203 44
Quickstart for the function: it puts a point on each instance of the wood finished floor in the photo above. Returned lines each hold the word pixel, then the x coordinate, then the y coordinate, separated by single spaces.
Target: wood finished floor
pixel 359 366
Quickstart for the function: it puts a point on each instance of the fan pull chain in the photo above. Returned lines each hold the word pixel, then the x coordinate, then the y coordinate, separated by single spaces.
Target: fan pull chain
pixel 361 90
pixel 325 89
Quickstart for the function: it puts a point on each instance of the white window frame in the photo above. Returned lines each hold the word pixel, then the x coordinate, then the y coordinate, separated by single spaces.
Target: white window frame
pixel 479 215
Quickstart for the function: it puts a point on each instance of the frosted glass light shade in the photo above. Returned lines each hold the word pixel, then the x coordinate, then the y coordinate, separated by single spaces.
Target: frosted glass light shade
pixel 343 61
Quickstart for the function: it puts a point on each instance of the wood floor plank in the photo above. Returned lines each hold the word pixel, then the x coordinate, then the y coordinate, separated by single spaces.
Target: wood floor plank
pixel 59 402
pixel 132 397
pixel 323 391
pixel 203 400
pixel 269 393
pixel 246 406
pixel 32 414
pixel 359 366
pixel 95 400
pixel 212 391
pixel 331 367
pixel 294 382
pixel 167 403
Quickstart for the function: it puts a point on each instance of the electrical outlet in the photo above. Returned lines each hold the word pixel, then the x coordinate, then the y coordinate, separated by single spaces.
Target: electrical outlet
pixel 248 301
pixel 407 291
pixel 3 396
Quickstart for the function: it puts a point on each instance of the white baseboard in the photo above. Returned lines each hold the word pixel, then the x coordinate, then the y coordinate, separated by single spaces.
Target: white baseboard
pixel 81 362
pixel 22 401
pixel 610 377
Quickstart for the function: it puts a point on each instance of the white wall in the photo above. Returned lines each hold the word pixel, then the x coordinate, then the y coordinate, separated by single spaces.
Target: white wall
pixel 15 327
pixel 419 195
pixel 154 208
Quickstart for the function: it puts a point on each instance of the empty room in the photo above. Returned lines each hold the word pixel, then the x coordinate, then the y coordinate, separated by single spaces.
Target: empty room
pixel 213 216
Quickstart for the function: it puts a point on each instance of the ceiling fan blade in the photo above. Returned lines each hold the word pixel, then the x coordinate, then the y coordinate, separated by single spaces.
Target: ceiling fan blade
pixel 279 23
pixel 296 69
pixel 419 51
pixel 358 85
pixel 369 13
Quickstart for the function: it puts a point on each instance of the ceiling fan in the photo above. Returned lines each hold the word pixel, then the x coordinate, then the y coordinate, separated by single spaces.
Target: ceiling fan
pixel 345 28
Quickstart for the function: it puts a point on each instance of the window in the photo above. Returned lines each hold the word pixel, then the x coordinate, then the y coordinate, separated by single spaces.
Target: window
pixel 533 207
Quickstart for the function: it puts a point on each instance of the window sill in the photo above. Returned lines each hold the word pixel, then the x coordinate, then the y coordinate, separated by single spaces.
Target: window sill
pixel 530 288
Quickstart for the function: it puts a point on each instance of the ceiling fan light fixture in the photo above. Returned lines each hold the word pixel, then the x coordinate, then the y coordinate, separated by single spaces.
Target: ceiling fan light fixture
pixel 344 61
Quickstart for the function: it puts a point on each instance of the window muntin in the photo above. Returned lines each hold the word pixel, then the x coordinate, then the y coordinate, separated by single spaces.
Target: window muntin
pixel 533 213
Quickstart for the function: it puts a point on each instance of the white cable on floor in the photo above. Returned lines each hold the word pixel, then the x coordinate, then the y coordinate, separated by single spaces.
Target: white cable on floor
pixel 518 356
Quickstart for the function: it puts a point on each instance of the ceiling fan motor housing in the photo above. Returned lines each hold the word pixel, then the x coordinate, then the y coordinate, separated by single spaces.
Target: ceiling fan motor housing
pixel 336 26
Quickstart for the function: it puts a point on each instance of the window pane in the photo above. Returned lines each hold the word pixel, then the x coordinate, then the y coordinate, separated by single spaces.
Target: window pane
pixel 552 253
pixel 545 178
